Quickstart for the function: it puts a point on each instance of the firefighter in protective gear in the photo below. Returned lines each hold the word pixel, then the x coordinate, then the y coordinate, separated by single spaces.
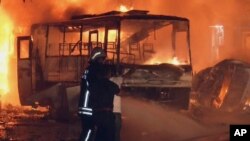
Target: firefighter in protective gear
pixel 96 100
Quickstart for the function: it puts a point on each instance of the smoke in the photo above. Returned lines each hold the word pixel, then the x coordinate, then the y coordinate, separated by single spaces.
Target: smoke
pixel 202 14
pixel 29 12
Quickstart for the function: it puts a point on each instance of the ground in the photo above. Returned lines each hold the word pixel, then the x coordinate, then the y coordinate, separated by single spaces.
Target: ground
pixel 142 121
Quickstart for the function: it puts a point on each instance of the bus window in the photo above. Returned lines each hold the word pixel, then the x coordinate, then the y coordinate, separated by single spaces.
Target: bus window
pixel 182 47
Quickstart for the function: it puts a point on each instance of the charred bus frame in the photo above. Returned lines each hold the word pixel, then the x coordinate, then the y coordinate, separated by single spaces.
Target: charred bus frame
pixel 55 54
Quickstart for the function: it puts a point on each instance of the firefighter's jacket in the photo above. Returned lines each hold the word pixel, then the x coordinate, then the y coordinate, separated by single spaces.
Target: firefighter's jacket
pixel 97 91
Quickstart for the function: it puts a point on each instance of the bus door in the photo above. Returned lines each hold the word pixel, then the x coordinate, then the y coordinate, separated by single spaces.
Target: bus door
pixel 24 68
pixel 93 40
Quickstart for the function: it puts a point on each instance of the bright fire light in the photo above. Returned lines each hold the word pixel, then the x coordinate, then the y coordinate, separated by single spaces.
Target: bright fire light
pixel 218 101
pixel 123 8
pixel 174 61
pixel 6 49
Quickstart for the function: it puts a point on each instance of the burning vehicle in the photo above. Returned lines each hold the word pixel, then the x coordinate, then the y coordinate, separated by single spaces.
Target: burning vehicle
pixel 223 87
pixel 151 53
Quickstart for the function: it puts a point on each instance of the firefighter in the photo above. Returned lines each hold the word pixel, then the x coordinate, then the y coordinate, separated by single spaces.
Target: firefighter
pixel 96 100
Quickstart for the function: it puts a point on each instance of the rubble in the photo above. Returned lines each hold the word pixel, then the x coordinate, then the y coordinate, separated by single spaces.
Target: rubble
pixel 29 124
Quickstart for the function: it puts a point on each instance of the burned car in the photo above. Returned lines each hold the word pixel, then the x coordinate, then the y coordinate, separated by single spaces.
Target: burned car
pixel 151 52
pixel 223 87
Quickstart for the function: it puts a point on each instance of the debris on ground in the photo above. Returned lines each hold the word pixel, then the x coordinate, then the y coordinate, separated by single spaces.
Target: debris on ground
pixel 29 124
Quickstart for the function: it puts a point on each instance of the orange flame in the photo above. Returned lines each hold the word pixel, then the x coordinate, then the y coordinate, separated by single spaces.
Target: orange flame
pixel 123 8
pixel 6 49
pixel 218 101
pixel 173 60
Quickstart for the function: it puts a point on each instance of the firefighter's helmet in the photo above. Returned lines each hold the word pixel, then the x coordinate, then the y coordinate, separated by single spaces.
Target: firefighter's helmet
pixel 96 53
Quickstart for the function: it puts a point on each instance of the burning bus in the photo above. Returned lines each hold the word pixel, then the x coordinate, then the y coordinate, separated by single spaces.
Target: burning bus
pixel 151 53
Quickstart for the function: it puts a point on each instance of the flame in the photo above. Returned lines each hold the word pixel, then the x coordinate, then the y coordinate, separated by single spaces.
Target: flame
pixel 173 60
pixel 246 104
pixel 218 101
pixel 6 49
pixel 123 8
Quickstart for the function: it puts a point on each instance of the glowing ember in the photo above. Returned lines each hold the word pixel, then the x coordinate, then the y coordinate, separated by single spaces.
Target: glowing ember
pixel 6 48
pixel 123 8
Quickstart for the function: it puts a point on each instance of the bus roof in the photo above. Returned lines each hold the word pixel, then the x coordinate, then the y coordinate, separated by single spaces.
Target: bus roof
pixel 113 16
